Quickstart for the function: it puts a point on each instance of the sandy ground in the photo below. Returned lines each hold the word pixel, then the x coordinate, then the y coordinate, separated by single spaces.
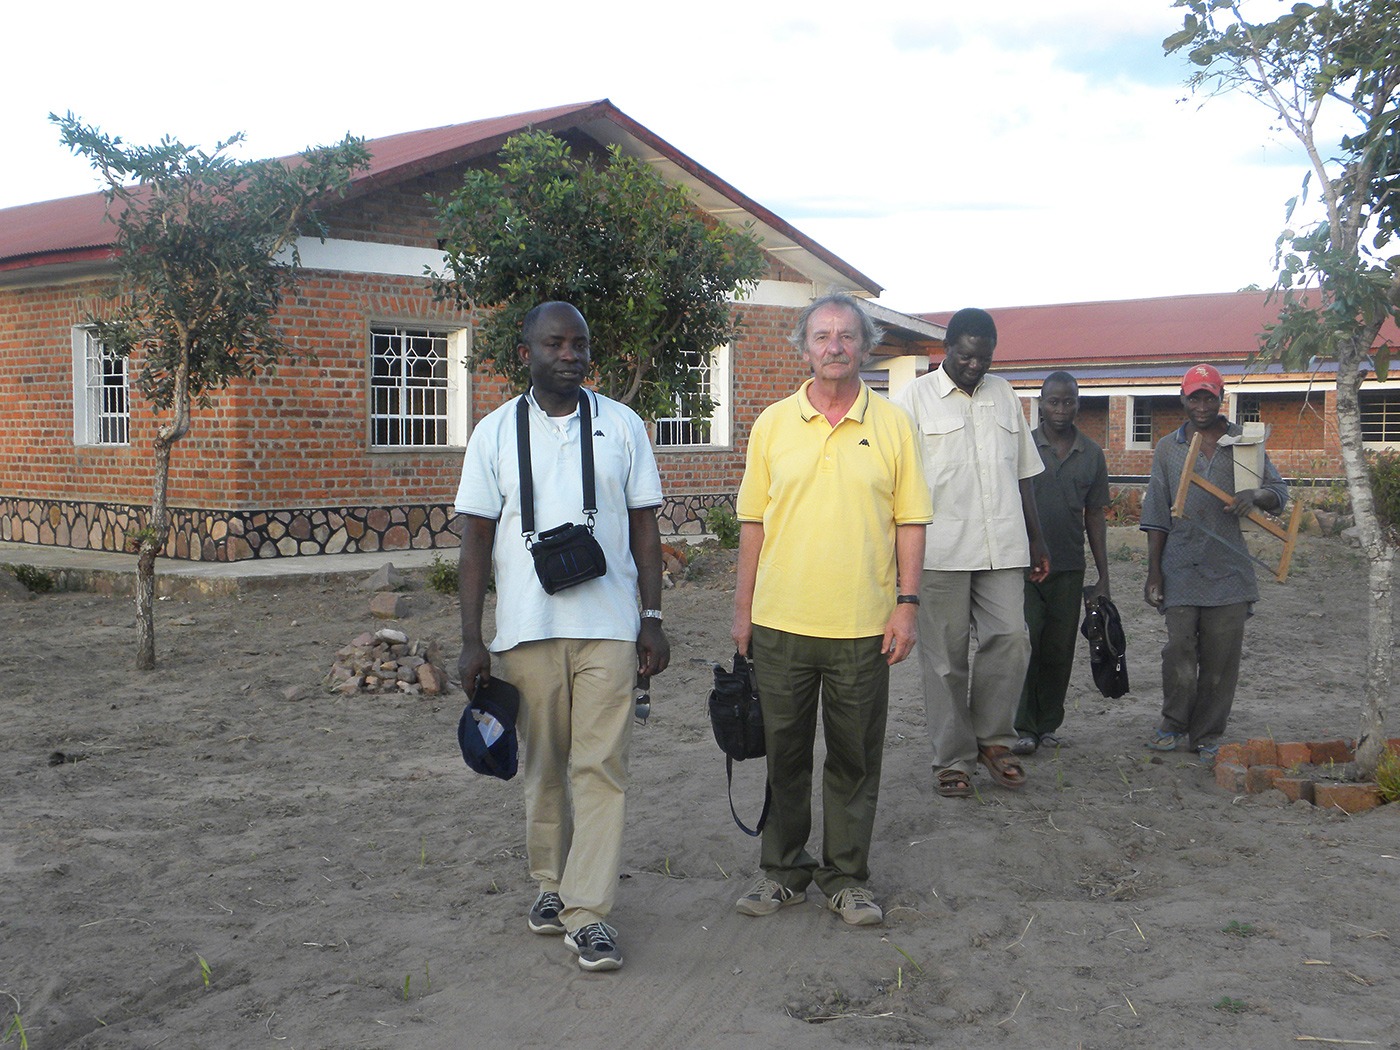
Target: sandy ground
pixel 230 867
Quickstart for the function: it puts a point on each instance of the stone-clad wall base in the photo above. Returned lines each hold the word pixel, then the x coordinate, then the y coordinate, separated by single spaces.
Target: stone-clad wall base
pixel 221 535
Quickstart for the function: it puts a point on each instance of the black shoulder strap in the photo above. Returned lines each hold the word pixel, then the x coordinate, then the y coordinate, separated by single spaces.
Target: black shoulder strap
pixel 756 831
pixel 527 479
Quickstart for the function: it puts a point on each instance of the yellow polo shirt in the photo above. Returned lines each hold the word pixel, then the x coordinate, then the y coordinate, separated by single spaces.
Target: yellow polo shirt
pixel 829 499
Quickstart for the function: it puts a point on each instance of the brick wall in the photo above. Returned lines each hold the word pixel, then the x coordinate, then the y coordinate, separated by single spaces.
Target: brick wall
pixel 282 461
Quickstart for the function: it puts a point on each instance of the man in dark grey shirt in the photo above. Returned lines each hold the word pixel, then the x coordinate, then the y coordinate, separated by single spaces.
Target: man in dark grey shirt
pixel 1071 495
pixel 1198 570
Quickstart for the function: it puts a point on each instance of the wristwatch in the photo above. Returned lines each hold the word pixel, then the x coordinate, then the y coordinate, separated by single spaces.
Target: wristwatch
pixel 651 614
pixel 906 599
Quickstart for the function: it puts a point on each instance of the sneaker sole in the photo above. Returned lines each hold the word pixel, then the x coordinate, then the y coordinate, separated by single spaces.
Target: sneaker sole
pixel 593 965
pixel 758 909
pixel 864 917
pixel 547 929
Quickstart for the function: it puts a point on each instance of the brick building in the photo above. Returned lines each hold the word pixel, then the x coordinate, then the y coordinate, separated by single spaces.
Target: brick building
pixel 357 445
pixel 1129 358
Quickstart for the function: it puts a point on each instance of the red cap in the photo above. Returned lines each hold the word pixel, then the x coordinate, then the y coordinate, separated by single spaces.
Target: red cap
pixel 1203 377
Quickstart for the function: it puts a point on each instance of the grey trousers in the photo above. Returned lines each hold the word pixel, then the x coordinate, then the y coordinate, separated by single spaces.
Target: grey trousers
pixel 969 703
pixel 1200 669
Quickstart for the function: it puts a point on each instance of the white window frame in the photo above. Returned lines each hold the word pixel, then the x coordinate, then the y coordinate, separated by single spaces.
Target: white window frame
pixel 1131 441
pixel 716 364
pixel 457 387
pixel 101 409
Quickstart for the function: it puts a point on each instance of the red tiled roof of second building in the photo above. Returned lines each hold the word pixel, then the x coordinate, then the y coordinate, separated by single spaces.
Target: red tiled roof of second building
pixel 1213 327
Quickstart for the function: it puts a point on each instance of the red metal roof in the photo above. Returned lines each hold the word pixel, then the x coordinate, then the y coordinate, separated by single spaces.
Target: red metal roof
pixel 45 233
pixel 1218 327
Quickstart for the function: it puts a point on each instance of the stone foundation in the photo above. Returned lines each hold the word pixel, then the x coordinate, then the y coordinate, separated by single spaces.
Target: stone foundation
pixel 224 535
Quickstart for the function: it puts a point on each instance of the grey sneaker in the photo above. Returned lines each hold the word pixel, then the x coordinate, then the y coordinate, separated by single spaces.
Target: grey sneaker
pixel 856 907
pixel 544 914
pixel 1024 745
pixel 768 896
pixel 596 947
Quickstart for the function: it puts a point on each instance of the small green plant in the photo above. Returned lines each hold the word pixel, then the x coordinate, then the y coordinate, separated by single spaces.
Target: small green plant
pixel 724 525
pixel 1239 929
pixel 1384 468
pixel 1388 776
pixel 16 1027
pixel 442 577
pixel 204 971
pixel 407 978
pixel 1233 1006
pixel 37 580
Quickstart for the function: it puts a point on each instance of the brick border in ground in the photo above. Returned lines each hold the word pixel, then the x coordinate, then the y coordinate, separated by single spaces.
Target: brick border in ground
pixel 1300 770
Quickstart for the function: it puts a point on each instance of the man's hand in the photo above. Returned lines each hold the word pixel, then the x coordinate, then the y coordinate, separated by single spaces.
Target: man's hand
pixel 1040 562
pixel 473 666
pixel 1099 590
pixel 901 632
pixel 742 633
pixel 1152 591
pixel 653 650
pixel 1249 499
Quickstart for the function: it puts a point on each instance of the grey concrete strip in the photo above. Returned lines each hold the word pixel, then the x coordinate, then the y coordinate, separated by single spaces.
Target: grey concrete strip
pixel 109 573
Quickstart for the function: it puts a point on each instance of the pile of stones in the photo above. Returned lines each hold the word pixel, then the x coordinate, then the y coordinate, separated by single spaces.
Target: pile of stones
pixel 386 661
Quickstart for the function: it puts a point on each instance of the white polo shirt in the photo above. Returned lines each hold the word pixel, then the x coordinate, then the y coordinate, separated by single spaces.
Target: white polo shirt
pixel 625 477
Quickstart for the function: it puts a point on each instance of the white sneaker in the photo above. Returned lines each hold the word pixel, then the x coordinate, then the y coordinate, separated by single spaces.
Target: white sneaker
pixel 856 907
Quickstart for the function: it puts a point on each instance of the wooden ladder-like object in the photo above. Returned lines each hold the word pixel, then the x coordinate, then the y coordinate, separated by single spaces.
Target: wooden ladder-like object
pixel 1189 477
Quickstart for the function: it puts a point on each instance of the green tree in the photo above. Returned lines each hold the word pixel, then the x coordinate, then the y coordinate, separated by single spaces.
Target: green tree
pixel 650 272
pixel 205 249
pixel 1317 68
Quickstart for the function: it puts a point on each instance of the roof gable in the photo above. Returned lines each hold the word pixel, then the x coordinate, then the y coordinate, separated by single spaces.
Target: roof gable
pixel 73 229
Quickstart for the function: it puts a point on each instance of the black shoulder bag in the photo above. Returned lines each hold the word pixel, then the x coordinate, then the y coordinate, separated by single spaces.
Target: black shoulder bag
pixel 569 554
pixel 737 719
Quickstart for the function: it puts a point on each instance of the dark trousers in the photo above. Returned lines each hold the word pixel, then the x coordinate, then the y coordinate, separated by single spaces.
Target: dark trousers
pixel 852 681
pixel 1052 617
pixel 1200 669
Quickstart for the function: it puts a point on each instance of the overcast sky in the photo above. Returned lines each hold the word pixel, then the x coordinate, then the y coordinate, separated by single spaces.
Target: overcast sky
pixel 1005 153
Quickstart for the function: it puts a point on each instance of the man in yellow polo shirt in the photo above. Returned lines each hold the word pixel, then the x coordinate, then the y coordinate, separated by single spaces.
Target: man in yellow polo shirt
pixel 832 512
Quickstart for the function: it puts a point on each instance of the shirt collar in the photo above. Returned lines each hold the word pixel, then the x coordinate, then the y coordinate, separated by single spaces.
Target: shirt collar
pixel 944 386
pixel 855 412
pixel 1079 444
pixel 1231 430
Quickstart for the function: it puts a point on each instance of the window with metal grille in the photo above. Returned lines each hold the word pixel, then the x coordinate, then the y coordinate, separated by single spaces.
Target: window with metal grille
pixel 687 426
pixel 409 388
pixel 101 393
pixel 1380 417
pixel 1140 430
pixel 1247 409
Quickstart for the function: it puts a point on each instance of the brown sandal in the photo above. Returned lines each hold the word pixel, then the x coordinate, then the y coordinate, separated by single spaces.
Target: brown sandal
pixel 1003 766
pixel 953 783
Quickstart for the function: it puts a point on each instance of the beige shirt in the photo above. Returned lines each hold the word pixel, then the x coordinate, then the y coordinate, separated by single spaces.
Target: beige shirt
pixel 977 449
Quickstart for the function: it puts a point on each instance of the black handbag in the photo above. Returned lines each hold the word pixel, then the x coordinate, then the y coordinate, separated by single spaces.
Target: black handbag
pixel 569 554
pixel 736 715
pixel 1108 649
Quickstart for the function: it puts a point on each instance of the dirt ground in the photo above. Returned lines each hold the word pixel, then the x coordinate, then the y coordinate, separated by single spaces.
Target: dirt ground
pixel 229 865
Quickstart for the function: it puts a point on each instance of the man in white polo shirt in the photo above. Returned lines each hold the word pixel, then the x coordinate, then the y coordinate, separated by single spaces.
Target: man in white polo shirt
pixel 574 655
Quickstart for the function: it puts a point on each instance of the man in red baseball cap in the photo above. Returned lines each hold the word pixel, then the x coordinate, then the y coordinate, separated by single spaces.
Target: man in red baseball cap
pixel 1199 574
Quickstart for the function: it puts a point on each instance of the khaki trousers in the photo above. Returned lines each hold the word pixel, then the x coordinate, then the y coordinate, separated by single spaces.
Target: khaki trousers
pixel 575 732
pixel 971 704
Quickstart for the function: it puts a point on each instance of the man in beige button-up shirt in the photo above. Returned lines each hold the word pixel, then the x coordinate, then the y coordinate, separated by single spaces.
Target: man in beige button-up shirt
pixel 979 458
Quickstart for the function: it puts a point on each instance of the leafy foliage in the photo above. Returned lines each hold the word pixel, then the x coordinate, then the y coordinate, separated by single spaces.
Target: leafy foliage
pixel 1312 63
pixel 1384 470
pixel 725 526
pixel 198 238
pixel 652 275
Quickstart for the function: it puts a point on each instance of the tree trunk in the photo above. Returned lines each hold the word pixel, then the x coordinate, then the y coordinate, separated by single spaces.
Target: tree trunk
pixel 1380 557
pixel 152 543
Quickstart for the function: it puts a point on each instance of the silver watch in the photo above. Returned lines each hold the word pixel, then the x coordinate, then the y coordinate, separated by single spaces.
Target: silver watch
pixel 651 614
